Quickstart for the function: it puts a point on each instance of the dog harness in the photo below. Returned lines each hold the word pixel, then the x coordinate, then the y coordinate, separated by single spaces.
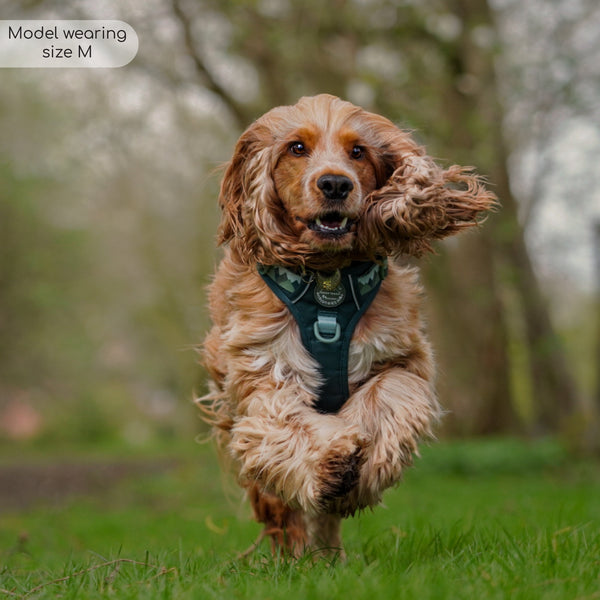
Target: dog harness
pixel 327 308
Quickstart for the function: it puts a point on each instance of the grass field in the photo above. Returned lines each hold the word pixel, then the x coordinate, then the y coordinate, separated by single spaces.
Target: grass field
pixel 489 519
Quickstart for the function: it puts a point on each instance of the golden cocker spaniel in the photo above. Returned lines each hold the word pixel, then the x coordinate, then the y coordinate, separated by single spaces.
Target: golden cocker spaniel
pixel 321 377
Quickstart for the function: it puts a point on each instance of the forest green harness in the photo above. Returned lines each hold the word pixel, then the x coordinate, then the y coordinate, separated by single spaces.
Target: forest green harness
pixel 327 308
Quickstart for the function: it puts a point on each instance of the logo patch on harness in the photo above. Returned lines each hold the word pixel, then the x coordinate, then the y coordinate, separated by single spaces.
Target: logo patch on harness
pixel 329 291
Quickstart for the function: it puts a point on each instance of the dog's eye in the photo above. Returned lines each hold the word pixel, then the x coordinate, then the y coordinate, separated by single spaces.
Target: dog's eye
pixel 357 152
pixel 297 149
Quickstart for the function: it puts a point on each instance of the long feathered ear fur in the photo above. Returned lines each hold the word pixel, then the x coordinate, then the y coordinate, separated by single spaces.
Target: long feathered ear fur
pixel 247 180
pixel 252 221
pixel 420 202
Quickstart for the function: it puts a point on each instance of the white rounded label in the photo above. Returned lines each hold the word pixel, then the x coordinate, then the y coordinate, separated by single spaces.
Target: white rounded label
pixel 55 44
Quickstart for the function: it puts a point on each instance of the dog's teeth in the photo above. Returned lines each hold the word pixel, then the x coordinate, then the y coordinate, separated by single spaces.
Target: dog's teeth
pixel 319 223
pixel 331 227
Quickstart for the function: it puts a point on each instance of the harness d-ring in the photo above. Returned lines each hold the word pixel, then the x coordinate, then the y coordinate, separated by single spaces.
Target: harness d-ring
pixel 327 324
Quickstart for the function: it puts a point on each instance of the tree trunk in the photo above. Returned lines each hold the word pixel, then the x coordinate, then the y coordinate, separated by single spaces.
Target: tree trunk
pixel 473 342
pixel 473 320
pixel 597 295
pixel 554 393
pixel 470 339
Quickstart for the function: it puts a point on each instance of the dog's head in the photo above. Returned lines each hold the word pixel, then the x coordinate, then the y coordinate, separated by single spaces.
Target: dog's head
pixel 324 181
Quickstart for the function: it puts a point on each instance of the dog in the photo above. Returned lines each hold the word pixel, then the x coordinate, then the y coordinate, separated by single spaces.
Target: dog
pixel 321 375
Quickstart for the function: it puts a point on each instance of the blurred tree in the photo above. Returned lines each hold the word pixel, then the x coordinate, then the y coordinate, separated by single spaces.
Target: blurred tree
pixel 472 113
pixel 42 342
pixel 597 311
pixel 95 306
pixel 133 154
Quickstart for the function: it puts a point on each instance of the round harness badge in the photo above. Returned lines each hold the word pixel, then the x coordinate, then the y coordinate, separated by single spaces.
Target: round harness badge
pixel 329 291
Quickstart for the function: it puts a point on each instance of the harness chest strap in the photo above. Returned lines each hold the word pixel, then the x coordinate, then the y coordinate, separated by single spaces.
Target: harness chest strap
pixel 327 308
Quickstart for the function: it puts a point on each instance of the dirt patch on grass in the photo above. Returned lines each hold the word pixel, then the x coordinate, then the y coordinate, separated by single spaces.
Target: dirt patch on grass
pixel 25 485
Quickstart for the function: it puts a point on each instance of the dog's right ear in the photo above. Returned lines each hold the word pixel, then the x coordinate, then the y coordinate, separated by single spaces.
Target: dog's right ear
pixel 244 173
pixel 232 191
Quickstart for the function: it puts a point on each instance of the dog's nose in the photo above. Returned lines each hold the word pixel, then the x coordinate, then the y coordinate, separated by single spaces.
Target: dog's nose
pixel 335 187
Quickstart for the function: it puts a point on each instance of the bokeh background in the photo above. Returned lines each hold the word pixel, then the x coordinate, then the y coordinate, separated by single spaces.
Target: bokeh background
pixel 109 178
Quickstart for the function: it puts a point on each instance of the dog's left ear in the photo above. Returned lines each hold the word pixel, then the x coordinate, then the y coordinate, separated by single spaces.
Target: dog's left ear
pixel 420 201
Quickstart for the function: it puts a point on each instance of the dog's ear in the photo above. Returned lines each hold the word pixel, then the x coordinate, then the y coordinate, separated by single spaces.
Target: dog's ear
pixel 231 195
pixel 246 167
pixel 420 201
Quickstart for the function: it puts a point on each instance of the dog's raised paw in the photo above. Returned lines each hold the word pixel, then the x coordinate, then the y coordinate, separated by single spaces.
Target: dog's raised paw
pixel 340 477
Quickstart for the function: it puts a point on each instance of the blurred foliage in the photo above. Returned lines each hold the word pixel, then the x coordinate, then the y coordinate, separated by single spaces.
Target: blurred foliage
pixel 40 269
pixel 46 353
pixel 95 340
pixel 108 181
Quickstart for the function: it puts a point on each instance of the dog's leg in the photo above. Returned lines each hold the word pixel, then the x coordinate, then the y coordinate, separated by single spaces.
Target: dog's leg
pixel 324 535
pixel 294 532
pixel 395 409
pixel 284 525
pixel 305 458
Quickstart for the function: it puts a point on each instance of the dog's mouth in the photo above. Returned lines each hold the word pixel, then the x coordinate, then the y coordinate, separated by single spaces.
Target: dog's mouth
pixel 331 224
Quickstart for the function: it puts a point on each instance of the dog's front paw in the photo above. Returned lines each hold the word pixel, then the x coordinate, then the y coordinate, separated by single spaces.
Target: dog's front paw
pixel 332 476
pixel 340 475
pixel 306 467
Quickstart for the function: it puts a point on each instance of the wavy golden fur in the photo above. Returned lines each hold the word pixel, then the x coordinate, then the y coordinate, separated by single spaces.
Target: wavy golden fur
pixel 316 186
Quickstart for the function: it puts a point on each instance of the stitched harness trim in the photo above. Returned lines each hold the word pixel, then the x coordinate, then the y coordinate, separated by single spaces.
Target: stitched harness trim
pixel 327 310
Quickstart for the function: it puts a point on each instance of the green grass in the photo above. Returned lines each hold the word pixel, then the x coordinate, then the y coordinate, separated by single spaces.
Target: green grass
pixel 489 519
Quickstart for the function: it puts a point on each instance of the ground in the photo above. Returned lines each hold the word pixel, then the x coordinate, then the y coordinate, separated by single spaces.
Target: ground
pixel 476 519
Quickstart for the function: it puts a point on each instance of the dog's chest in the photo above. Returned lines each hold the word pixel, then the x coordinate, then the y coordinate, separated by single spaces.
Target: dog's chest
pixel 371 344
pixel 327 308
